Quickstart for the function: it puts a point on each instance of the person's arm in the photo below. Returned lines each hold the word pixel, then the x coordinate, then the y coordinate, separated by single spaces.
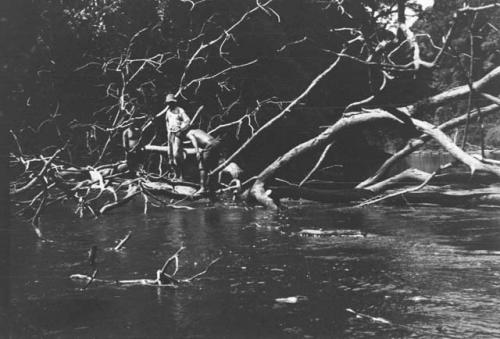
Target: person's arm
pixel 185 119
pixel 167 124
pixel 125 140
pixel 194 141
pixel 170 126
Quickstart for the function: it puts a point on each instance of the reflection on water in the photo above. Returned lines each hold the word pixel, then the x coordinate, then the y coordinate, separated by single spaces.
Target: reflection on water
pixel 429 161
pixel 430 272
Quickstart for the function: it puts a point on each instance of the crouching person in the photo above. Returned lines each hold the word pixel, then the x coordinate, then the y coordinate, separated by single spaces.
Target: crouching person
pixel 230 177
pixel 207 150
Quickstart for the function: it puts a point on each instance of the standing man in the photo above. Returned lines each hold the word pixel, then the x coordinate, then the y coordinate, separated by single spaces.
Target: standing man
pixel 208 153
pixel 134 154
pixel 177 122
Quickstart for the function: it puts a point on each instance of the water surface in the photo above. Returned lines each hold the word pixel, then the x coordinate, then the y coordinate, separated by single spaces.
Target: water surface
pixel 425 271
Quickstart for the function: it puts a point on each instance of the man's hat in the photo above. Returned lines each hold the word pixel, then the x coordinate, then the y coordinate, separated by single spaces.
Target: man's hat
pixel 170 98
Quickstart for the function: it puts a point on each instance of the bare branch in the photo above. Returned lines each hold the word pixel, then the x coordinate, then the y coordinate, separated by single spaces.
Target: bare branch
pixel 123 241
pixel 456 92
pixel 278 116
pixel 479 8
pixel 173 258
pixel 39 175
pixel 213 76
pixel 415 144
pixel 395 194
pixel 202 272
pixel 318 163
pixel 222 38
pixel 454 150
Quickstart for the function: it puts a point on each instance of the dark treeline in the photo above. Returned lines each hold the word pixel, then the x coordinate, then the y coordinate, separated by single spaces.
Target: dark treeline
pixel 65 57
pixel 295 89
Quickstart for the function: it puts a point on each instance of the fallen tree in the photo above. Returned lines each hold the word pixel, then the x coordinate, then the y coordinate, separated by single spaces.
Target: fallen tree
pixel 259 192
pixel 203 65
pixel 403 115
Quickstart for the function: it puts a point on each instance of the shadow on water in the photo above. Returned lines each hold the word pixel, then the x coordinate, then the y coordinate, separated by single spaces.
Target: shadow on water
pixel 427 271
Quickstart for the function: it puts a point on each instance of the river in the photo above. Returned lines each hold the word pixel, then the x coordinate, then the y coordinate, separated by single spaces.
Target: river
pixel 417 271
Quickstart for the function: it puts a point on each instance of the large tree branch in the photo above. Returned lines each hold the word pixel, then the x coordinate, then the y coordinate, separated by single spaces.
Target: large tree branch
pixel 278 116
pixel 438 135
pixel 415 144
pixel 410 174
pixel 327 136
pixel 258 191
pixel 458 92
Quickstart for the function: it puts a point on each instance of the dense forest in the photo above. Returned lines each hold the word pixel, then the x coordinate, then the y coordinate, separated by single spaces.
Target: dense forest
pixel 310 99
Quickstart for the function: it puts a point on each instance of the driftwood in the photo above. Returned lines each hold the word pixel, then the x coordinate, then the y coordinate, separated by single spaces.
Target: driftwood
pixel 141 282
pixel 315 233
pixel 92 279
pixel 163 279
pixel 369 317
pixel 125 282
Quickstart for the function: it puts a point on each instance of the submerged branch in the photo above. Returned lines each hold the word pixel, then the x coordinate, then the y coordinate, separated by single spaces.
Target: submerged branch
pixel 123 241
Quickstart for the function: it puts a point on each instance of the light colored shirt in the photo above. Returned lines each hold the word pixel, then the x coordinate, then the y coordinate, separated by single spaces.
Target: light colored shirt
pixel 176 119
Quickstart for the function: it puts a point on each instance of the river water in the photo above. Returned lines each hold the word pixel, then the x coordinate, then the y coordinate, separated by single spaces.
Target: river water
pixel 416 271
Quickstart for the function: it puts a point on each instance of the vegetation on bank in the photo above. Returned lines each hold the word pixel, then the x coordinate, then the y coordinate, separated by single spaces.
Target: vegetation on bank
pixel 298 91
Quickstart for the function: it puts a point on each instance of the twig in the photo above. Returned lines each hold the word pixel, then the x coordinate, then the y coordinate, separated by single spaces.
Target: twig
pixel 479 8
pixel 92 255
pixel 122 242
pixel 366 316
pixel 195 115
pixel 469 78
pixel 174 258
pixel 92 278
pixel 318 163
pixel 162 278
pixel 203 272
